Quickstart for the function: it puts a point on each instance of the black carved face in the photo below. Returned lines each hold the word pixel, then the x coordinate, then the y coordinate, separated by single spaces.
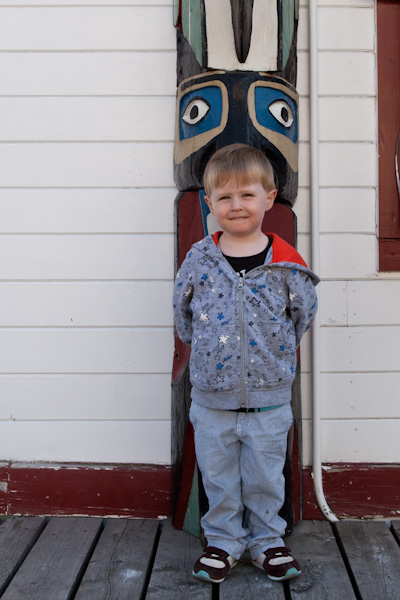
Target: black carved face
pixel 220 108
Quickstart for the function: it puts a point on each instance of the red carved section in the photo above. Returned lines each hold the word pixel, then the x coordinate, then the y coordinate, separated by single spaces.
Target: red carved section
pixel 189 465
pixel 181 358
pixel 281 220
pixel 190 222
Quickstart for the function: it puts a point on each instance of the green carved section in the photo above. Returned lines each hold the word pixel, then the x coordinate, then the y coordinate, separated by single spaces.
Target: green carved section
pixel 191 523
pixel 290 12
pixel 191 25
pixel 176 12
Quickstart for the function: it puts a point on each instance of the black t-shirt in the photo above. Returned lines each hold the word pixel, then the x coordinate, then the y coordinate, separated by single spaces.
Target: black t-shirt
pixel 247 263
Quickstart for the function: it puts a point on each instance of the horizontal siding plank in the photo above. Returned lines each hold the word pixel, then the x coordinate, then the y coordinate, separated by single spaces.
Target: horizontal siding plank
pixel 360 396
pixel 355 441
pixel 54 3
pixel 68 257
pixel 340 26
pixel 340 119
pixel 87 28
pixel 86 351
pixel 350 28
pixel 348 165
pixel 340 73
pixel 304 247
pixel 305 352
pixel 86 165
pixel 302 209
pixel 360 349
pixel 145 442
pixel 85 397
pixel 303 73
pixel 356 3
pixel 304 119
pixel 341 210
pixel 346 73
pixel 347 119
pixel 350 210
pixel 139 304
pixel 374 303
pixel 88 119
pixel 354 395
pixel 87 210
pixel 303 29
pixel 304 164
pixel 332 296
pixel 88 73
pixel 348 256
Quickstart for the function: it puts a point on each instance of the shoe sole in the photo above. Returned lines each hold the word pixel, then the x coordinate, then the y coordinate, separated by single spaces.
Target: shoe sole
pixel 290 574
pixel 204 576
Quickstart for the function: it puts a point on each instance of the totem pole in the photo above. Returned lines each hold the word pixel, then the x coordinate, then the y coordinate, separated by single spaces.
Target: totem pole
pixel 236 71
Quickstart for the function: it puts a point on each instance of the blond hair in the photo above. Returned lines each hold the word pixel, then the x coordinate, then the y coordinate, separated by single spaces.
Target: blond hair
pixel 245 163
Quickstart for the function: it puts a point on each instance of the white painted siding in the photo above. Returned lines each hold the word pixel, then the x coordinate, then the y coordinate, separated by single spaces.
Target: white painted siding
pixel 87 98
pixel 360 317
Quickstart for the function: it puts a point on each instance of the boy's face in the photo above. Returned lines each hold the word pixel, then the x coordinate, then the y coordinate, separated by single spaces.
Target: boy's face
pixel 239 208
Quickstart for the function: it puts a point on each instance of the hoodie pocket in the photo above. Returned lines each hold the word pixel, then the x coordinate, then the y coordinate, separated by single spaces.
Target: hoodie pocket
pixel 271 354
pixel 215 359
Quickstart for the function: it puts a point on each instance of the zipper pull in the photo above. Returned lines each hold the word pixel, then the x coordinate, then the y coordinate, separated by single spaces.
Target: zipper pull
pixel 241 279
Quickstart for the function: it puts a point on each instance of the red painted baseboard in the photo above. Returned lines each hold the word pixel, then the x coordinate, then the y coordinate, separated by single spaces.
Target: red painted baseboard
pixel 142 491
pixel 355 491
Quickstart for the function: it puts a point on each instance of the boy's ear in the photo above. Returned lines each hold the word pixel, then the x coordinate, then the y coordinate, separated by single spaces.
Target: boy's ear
pixel 208 201
pixel 270 199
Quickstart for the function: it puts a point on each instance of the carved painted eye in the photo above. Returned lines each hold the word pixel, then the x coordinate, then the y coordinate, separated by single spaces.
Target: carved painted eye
pixel 282 113
pixel 195 111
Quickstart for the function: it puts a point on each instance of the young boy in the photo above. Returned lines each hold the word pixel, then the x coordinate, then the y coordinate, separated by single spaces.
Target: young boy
pixel 243 301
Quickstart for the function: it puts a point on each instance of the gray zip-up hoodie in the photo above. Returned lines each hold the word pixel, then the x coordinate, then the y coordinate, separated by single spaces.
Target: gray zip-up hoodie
pixel 244 328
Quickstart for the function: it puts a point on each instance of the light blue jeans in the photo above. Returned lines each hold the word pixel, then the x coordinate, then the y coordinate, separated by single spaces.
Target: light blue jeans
pixel 241 458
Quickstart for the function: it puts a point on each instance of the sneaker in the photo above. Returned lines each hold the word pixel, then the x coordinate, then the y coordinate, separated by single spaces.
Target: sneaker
pixel 213 565
pixel 278 564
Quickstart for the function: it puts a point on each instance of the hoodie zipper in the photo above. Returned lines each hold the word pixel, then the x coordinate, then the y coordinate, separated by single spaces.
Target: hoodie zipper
pixel 241 276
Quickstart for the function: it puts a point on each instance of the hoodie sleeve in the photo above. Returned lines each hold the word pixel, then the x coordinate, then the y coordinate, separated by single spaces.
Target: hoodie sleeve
pixel 303 301
pixel 183 293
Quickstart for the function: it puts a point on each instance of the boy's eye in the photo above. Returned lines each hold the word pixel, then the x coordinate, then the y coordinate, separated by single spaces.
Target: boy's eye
pixel 282 113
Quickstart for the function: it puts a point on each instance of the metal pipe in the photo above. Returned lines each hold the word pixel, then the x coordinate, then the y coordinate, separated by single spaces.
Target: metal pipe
pixel 315 234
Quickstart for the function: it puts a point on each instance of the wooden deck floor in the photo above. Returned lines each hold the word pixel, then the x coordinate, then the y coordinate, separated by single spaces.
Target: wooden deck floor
pixel 68 558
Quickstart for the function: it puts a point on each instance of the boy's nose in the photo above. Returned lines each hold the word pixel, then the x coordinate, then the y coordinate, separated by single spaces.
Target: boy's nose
pixel 236 203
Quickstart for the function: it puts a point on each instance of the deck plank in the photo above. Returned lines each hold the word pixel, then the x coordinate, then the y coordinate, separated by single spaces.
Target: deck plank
pixel 172 577
pixel 118 567
pixel 374 558
pixel 324 574
pixel 57 560
pixel 247 581
pixel 17 536
pixel 396 528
